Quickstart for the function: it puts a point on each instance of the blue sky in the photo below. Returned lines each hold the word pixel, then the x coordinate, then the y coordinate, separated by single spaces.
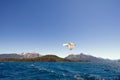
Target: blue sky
pixel 44 25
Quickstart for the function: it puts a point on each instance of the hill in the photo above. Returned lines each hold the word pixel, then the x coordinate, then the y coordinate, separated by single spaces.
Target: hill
pixel 11 55
pixel 36 57
pixel 85 57
pixel 46 58
pixel 23 55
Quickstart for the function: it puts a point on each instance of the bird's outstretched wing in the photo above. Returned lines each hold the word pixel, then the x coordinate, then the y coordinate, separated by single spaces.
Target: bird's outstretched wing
pixel 70 45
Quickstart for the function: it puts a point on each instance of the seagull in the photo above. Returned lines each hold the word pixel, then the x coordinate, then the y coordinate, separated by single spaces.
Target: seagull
pixel 70 45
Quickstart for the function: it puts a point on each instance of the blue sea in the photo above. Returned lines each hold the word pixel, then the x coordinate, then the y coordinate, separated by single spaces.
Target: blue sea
pixel 59 71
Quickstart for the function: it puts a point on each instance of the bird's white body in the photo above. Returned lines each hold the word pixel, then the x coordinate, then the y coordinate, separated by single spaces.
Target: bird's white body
pixel 70 45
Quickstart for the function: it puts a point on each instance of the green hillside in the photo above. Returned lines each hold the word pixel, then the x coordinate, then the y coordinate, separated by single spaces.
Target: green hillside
pixel 46 58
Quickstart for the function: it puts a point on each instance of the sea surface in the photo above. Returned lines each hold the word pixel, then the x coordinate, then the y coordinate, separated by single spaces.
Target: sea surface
pixel 59 71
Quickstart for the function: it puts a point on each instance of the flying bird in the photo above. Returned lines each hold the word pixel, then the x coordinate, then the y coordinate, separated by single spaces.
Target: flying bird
pixel 70 45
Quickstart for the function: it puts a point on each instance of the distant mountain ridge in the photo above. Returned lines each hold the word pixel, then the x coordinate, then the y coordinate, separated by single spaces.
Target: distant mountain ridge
pixel 31 55
pixel 85 57
pixel 23 55
pixel 46 58
pixel 72 57
pixel 11 55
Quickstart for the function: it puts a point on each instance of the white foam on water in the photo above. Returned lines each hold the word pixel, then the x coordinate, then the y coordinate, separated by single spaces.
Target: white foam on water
pixel 78 77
